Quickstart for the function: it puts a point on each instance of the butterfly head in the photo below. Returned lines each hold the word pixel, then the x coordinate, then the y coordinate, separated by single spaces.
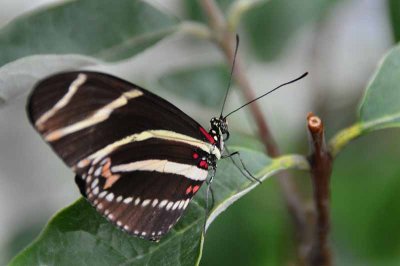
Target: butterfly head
pixel 219 130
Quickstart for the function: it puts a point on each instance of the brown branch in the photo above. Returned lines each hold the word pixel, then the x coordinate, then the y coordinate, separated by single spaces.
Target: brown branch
pixel 321 169
pixel 295 204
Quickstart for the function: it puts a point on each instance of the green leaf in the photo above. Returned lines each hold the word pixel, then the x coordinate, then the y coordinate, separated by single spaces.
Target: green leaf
pixel 394 12
pixel 380 107
pixel 98 28
pixel 204 84
pixel 19 76
pixel 79 235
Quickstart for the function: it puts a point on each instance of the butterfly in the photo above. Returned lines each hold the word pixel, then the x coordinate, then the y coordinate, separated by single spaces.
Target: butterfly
pixel 138 159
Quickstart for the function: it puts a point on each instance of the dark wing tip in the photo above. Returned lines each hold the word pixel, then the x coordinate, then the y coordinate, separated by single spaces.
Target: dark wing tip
pixel 81 185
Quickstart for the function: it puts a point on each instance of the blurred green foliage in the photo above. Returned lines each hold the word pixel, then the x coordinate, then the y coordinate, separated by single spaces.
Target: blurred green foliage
pixel 204 84
pixel 95 28
pixel 365 209
pixel 254 231
pixel 21 239
pixel 270 26
pixel 394 12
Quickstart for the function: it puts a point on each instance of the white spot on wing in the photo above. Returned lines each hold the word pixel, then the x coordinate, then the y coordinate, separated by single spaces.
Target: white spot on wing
pixel 169 205
pixel 110 197
pixel 145 202
pixel 137 201
pixel 128 200
pixel 175 205
pixel 83 163
pixel 163 203
pixel 95 182
pixel 186 203
pixel 155 201
pixel 98 171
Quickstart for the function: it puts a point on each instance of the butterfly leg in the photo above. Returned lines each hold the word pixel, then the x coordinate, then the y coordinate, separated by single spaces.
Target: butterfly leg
pixel 244 171
pixel 209 192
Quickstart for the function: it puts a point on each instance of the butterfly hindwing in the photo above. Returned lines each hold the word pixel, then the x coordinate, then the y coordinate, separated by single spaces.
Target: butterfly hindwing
pixel 146 192
pixel 138 158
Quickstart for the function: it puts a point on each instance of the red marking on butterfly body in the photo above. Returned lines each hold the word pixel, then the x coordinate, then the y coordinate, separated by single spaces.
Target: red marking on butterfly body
pixel 208 136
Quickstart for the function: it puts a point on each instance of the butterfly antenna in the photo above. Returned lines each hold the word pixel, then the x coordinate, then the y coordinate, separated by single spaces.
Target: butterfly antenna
pixel 265 94
pixel 230 77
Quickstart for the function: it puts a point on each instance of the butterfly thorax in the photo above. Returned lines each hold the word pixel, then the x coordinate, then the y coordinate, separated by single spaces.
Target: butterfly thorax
pixel 219 132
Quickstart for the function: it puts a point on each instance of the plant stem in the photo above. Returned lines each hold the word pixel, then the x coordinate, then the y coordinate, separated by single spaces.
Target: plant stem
pixel 321 169
pixel 224 39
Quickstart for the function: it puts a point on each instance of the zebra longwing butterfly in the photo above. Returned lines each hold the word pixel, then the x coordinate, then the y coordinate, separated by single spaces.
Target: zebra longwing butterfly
pixel 138 159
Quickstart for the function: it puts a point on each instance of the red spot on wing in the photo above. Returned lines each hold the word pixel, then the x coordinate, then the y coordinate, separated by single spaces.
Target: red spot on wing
pixel 195 188
pixel 208 136
pixel 188 190
pixel 195 156
pixel 203 164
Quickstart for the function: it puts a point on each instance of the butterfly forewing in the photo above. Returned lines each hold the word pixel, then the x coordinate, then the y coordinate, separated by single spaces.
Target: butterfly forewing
pixel 138 158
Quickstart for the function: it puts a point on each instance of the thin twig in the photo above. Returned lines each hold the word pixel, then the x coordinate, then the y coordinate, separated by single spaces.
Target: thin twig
pixel 321 169
pixel 294 202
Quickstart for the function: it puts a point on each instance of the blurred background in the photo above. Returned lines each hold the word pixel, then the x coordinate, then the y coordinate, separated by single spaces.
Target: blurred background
pixel 339 42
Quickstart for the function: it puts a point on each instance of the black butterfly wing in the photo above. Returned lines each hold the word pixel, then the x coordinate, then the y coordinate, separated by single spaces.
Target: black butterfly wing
pixel 144 193
pixel 138 158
